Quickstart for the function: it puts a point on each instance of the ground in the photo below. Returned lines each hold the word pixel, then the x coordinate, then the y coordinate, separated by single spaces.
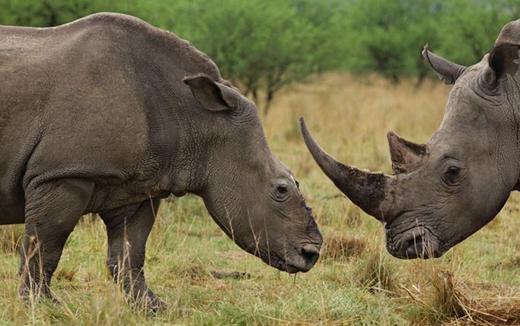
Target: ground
pixel 355 282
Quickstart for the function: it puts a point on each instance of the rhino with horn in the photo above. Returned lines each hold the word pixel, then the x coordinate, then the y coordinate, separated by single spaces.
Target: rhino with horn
pixel 442 192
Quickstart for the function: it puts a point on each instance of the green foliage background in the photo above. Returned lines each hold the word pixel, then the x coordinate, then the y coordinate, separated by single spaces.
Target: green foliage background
pixel 263 45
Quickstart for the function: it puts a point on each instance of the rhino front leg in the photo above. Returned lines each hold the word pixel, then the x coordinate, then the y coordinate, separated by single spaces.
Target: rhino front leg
pixel 128 229
pixel 52 211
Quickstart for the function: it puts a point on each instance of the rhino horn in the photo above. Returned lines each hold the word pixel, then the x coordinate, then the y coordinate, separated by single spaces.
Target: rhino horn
pixel 406 156
pixel 365 189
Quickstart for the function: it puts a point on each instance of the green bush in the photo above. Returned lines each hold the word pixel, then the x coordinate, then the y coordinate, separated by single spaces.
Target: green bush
pixel 261 45
pixel 471 32
pixel 264 45
pixel 44 13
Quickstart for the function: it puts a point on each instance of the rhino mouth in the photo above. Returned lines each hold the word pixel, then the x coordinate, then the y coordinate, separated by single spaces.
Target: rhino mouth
pixel 299 261
pixel 293 258
pixel 417 242
pixel 282 265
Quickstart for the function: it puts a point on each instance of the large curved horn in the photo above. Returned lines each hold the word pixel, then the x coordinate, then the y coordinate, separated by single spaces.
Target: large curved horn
pixel 365 189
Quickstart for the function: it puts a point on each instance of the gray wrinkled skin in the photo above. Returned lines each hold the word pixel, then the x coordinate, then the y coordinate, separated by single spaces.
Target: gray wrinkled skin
pixel 442 192
pixel 108 114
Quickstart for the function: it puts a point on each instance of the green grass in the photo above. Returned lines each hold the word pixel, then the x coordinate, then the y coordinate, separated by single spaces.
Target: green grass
pixel 355 282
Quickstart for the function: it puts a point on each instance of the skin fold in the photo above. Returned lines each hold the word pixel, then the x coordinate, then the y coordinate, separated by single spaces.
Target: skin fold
pixel 108 114
pixel 443 191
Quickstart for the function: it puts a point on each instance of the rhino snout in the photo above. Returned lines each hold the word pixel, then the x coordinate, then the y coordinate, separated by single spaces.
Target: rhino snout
pixel 305 259
pixel 418 242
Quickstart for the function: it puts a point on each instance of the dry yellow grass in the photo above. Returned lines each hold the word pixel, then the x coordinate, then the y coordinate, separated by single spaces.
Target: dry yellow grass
pixel 350 117
pixel 356 282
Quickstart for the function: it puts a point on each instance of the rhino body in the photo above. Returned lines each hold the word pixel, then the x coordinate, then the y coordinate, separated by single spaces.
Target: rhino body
pixel 443 191
pixel 108 114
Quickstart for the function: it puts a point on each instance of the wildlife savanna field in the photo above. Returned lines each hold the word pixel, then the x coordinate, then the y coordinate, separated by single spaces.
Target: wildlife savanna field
pixel 352 69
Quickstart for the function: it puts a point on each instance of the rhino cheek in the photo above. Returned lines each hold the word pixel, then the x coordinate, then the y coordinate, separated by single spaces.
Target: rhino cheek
pixel 468 225
pixel 464 214
pixel 254 230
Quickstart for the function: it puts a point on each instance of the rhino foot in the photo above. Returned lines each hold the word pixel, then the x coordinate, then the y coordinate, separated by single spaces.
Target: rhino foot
pixel 34 294
pixel 150 303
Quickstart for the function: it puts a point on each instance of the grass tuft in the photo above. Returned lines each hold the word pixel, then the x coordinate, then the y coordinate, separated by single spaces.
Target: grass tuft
pixel 341 246
pixel 11 238
pixel 450 300
pixel 373 271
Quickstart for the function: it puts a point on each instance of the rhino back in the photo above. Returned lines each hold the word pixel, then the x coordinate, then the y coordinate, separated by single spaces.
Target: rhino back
pixel 99 97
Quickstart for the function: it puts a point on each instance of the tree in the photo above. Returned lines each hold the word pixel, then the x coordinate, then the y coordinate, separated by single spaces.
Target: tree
pixel 261 45
pixel 386 36
pixel 470 33
pixel 43 13
pixel 265 45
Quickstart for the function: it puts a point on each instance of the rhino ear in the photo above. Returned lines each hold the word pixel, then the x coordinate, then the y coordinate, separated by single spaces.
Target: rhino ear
pixel 212 95
pixel 446 70
pixel 406 156
pixel 503 59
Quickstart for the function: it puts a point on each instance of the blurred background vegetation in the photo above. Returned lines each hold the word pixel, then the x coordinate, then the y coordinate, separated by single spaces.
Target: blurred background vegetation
pixel 264 45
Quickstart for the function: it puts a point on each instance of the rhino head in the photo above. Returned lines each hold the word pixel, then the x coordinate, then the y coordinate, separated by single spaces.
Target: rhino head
pixel 443 191
pixel 251 195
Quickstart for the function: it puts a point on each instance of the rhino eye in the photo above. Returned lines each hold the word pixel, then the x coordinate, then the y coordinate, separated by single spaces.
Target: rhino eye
pixel 451 175
pixel 281 192
pixel 453 171
pixel 281 189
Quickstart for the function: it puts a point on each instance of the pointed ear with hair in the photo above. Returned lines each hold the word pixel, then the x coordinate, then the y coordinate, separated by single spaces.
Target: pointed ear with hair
pixel 212 95
pixel 406 156
pixel 446 70
pixel 503 60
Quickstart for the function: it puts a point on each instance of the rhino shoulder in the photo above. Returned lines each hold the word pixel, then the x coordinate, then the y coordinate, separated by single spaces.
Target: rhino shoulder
pixel 150 40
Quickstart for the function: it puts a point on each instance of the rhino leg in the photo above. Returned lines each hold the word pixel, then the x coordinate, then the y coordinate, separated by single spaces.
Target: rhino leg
pixel 52 210
pixel 128 229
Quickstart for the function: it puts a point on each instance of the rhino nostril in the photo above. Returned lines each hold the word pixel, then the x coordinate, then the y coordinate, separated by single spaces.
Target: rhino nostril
pixel 310 253
pixel 414 247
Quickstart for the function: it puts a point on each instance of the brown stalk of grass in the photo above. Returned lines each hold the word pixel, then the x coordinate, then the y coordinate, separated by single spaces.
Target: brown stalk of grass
pixel 374 272
pixel 341 246
pixel 10 239
pixel 196 273
pixel 450 300
pixel 65 274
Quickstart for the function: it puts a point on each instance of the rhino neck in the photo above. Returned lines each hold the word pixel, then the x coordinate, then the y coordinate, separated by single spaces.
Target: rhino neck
pixel 516 115
pixel 509 133
pixel 506 150
pixel 178 128
pixel 192 151
pixel 182 131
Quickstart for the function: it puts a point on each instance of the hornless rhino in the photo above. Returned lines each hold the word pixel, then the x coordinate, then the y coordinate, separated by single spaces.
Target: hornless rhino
pixel 442 192
pixel 108 114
